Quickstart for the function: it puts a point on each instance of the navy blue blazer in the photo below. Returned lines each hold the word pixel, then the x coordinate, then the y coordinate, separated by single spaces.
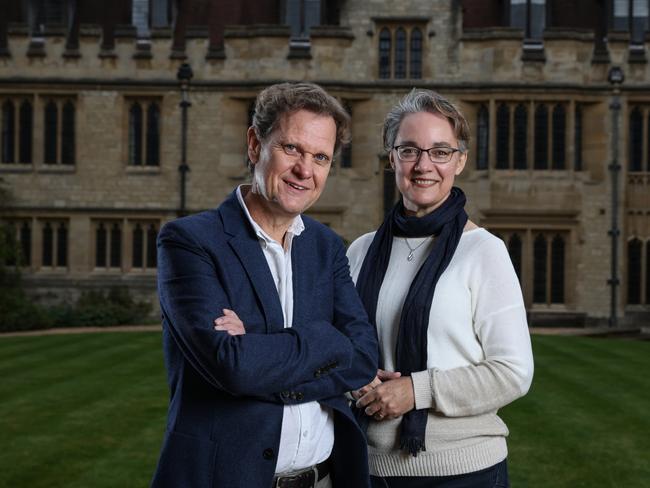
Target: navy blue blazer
pixel 227 393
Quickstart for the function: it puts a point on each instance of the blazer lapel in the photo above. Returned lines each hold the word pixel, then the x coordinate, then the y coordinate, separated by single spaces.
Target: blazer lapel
pixel 301 270
pixel 246 246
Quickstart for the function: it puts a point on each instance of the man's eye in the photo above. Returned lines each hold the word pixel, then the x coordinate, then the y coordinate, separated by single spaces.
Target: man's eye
pixel 290 149
pixel 321 158
pixel 408 151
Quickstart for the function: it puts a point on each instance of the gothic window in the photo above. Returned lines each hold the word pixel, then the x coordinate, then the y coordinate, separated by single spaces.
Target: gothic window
pixel 539 269
pixel 541 137
pixel 503 136
pixel 577 138
pixel 557 269
pixel 400 52
pixel 514 249
pixel 482 137
pixel 67 134
pixel 559 135
pixel 26 130
pixel 116 246
pixel 144 245
pixel 58 134
pixel 135 134
pixel 634 248
pixel 632 16
pixel 530 16
pixel 51 130
pixel 8 132
pixel 636 140
pixel 153 135
pixel 144 134
pixel 25 241
pixel 415 54
pixel 384 53
pixel 101 245
pixel 54 244
pixel 301 15
pixel 521 133
pixel 138 247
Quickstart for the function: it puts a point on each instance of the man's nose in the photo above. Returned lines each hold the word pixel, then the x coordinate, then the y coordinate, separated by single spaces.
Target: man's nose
pixel 303 167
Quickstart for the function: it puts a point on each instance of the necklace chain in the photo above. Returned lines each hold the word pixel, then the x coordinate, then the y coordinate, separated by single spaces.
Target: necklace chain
pixel 413 249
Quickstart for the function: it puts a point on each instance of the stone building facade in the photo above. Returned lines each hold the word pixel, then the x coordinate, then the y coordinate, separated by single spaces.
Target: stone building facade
pixel 92 128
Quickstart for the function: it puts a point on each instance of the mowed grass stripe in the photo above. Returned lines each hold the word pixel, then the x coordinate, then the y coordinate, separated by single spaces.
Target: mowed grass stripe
pixel 94 419
pixel 582 423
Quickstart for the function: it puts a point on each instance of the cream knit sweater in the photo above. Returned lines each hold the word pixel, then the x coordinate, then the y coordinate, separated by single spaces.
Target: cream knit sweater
pixel 479 355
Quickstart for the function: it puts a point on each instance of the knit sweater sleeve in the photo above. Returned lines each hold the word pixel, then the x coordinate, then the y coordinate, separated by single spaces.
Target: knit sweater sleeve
pixel 499 323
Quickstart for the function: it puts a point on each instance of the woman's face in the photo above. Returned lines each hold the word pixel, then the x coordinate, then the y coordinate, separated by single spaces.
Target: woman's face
pixel 424 185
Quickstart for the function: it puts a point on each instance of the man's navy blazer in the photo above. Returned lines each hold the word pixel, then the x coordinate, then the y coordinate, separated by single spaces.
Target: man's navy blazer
pixel 227 393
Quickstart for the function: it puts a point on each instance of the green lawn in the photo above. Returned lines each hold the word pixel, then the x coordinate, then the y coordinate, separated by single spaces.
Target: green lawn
pixel 88 410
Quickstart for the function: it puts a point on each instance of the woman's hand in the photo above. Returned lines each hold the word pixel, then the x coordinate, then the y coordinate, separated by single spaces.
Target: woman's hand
pixel 389 400
pixel 229 322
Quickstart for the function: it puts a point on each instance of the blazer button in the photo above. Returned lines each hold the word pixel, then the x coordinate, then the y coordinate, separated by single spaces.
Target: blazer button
pixel 318 373
pixel 268 453
pixel 285 394
pixel 299 396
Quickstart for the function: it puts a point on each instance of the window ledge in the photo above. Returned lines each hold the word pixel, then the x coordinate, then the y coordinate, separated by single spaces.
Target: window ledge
pixel 492 33
pixel 56 168
pixel 16 168
pixel 260 30
pixel 143 170
pixel 331 31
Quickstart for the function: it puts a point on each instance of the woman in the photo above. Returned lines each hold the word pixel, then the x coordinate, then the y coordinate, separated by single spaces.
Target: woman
pixel 446 302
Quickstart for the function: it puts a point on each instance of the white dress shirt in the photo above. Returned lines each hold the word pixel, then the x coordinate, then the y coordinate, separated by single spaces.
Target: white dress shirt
pixel 307 435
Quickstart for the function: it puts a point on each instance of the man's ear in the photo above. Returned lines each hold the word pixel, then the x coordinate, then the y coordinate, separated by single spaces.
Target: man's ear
pixel 254 145
pixel 391 161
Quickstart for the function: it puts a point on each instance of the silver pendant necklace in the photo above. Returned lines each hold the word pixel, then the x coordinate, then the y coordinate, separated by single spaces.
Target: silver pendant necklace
pixel 413 249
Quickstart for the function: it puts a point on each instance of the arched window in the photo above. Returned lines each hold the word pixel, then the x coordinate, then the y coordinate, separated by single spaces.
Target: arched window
pixel 62 245
pixel 100 246
pixel 8 132
pixel 152 234
pixel 577 138
pixel 634 271
pixel 153 135
pixel 541 137
pixel 116 246
pixel 521 132
pixel 503 136
pixel 384 53
pixel 415 61
pixel 48 245
pixel 26 244
pixel 636 140
pixel 135 134
pixel 514 249
pixel 559 137
pixel 400 53
pixel 67 134
pixel 51 130
pixel 557 269
pixel 482 137
pixel 539 269
pixel 138 247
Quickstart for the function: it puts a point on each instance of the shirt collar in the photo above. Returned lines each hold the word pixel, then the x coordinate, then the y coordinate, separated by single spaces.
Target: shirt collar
pixel 294 230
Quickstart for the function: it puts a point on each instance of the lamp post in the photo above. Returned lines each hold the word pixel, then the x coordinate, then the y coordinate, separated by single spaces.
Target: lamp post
pixel 615 78
pixel 184 75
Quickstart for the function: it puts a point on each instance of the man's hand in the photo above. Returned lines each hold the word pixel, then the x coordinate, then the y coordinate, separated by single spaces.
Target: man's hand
pixel 229 322
pixel 379 379
pixel 389 400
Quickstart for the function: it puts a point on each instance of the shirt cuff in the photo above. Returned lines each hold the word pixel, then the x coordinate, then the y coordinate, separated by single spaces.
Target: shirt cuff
pixel 422 390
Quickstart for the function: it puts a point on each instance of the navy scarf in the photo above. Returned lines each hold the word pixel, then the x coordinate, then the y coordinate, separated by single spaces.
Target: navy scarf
pixel 446 223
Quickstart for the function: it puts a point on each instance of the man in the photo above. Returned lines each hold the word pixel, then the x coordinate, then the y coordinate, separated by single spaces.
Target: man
pixel 257 394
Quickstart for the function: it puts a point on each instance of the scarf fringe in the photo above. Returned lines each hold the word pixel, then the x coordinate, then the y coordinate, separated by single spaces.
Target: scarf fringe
pixel 413 446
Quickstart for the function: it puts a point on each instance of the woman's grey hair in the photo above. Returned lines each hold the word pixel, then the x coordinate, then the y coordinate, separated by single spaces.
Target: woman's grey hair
pixel 419 100
pixel 285 98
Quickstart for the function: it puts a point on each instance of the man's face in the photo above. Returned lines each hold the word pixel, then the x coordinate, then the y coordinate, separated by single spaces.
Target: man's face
pixel 292 165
